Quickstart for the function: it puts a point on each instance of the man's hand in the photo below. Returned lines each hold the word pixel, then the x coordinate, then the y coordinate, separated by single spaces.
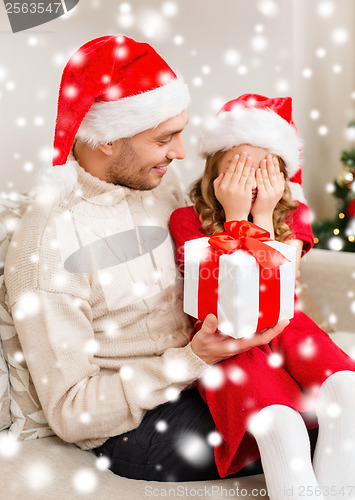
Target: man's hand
pixel 212 346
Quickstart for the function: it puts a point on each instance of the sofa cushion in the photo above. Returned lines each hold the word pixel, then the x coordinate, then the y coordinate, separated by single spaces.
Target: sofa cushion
pixel 5 419
pixel 309 306
pixel 27 418
pixel 49 468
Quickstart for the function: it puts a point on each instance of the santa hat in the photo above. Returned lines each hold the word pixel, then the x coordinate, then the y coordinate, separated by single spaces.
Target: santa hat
pixel 113 87
pixel 259 121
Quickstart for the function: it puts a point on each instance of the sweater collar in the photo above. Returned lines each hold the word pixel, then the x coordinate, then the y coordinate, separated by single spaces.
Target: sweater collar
pixel 96 191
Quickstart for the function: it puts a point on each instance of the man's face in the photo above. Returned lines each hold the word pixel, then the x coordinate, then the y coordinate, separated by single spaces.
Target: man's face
pixel 140 162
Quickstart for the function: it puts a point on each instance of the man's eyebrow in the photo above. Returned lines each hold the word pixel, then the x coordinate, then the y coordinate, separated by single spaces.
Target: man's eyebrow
pixel 172 132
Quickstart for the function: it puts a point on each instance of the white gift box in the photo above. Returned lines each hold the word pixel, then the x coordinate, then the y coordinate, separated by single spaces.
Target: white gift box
pixel 238 307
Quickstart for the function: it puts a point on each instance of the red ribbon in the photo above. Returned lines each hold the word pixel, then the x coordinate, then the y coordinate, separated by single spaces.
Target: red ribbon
pixel 242 234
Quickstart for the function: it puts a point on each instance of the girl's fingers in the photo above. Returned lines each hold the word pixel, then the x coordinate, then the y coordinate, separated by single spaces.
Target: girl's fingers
pixel 245 174
pixel 269 172
pixel 250 180
pixel 262 175
pixel 217 181
pixel 232 166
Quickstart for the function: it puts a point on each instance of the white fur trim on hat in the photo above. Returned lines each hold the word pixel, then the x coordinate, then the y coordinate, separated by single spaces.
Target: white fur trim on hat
pixel 297 192
pixel 257 127
pixel 107 121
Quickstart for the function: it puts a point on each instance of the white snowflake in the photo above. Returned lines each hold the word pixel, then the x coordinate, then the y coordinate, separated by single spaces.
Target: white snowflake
pixel 260 423
pixel 102 463
pixel 126 372
pixel 38 475
pixel 170 9
pixel 214 438
pixel 85 418
pixel 340 36
pixel 326 8
pixel 259 43
pixel 213 377
pixel 161 426
pixel 323 130
pixel 314 114
pixel 231 57
pixel 9 446
pixel 194 449
pixel 321 52
pixel 275 360
pixel 28 305
pixel 268 8
pixel 85 481
pixel 178 39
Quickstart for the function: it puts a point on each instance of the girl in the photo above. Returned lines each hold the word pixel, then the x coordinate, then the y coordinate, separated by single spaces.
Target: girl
pixel 253 173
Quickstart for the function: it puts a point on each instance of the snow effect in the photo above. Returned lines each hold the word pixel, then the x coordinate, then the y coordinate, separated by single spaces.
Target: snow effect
pixel 28 305
pixel 194 449
pixel 326 8
pixel 38 475
pixel 102 463
pixel 314 114
pixel 321 52
pixel 275 360
pixel 214 438
pixel 158 25
pixel 126 372
pixel 323 130
pixel 340 36
pixel 261 423
pixel 176 370
pixel 170 9
pixel 213 377
pixel 268 8
pixel 307 348
pixel 9 446
pixel 85 481
pixel 85 418
pixel 231 57
pixel 161 426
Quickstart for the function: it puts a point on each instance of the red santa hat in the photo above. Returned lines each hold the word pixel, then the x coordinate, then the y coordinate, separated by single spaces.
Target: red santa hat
pixel 112 87
pixel 259 121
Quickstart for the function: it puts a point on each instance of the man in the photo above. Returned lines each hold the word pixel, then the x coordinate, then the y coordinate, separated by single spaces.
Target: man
pixel 91 277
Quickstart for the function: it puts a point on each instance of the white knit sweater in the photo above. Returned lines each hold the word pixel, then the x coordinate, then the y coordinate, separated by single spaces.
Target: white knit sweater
pixel 97 303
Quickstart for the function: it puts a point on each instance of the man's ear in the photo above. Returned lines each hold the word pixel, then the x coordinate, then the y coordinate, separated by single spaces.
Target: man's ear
pixel 107 149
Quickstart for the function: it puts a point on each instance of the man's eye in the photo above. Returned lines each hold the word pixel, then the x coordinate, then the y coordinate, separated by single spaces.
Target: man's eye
pixel 165 141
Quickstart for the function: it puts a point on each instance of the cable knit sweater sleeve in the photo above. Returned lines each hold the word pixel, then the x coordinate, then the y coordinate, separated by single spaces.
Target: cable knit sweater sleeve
pixel 104 340
pixel 80 400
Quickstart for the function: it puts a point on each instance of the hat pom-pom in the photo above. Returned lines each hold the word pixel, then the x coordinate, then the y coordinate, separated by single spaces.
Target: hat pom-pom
pixel 55 183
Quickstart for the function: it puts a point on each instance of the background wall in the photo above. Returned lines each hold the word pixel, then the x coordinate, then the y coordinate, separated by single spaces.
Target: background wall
pixel 301 48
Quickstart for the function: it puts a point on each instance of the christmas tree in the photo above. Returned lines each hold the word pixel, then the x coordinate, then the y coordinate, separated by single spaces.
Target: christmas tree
pixel 339 233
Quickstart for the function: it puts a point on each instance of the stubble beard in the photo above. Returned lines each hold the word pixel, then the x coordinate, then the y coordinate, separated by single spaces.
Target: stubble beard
pixel 120 171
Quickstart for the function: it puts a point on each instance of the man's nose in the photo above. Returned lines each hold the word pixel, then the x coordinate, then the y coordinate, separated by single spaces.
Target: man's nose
pixel 177 149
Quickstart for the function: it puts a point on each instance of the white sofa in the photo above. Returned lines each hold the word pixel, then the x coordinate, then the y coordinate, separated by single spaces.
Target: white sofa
pixel 47 468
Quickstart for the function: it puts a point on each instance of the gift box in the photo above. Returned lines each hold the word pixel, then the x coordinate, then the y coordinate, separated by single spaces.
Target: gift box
pixel 242 276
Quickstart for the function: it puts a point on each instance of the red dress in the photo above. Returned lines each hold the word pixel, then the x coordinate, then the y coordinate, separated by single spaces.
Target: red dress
pixel 305 357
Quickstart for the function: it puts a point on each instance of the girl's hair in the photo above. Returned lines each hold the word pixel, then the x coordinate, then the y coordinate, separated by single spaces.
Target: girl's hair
pixel 211 212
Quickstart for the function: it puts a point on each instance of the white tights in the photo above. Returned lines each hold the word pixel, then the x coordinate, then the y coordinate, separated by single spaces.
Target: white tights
pixel 284 445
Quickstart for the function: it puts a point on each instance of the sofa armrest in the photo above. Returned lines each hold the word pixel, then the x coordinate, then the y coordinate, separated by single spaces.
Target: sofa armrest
pixel 330 276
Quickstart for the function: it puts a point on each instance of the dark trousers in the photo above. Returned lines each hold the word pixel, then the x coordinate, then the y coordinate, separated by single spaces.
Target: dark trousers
pixel 170 444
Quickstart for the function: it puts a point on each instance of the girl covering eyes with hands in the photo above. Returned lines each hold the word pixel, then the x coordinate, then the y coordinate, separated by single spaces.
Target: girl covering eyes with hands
pixel 270 394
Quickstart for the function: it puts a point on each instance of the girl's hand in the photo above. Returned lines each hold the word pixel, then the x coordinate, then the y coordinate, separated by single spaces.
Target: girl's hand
pixel 270 182
pixel 233 189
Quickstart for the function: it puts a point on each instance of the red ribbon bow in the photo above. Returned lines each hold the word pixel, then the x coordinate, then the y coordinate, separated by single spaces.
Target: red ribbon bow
pixel 251 237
